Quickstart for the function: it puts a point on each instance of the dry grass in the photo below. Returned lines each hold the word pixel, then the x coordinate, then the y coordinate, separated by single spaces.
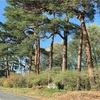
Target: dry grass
pixel 53 95
pixel 85 95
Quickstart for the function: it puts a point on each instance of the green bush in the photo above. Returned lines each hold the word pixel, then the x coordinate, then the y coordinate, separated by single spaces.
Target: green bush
pixel 29 80
pixel 41 79
pixel 56 70
pixel 1 81
pixel 8 82
pixel 20 82
pixel 68 79
pixel 97 76
pixel 15 81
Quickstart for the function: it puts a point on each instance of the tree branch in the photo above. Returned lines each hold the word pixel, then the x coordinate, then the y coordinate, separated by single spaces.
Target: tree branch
pixel 77 26
pixel 60 35
pixel 47 37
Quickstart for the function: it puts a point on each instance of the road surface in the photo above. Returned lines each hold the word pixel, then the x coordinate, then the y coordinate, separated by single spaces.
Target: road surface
pixel 10 96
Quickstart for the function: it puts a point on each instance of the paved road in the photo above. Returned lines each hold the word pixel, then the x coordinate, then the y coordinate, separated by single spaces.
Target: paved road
pixel 10 96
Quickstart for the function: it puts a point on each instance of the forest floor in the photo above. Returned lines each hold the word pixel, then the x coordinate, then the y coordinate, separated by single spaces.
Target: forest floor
pixel 45 94
pixel 84 95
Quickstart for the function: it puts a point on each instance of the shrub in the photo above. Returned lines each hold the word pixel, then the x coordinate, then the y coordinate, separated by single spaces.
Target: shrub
pixel 20 82
pixel 56 70
pixel 29 80
pixel 41 79
pixel 97 76
pixel 1 81
pixel 66 80
pixel 8 82
pixel 15 81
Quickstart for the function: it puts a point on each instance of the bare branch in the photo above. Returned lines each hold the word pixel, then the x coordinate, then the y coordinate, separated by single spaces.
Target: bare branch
pixel 47 37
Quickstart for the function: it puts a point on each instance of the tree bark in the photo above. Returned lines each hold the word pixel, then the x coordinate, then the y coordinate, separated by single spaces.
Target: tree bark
pixel 7 67
pixel 51 53
pixel 51 59
pixel 21 69
pixel 80 52
pixel 7 71
pixel 79 60
pixel 88 48
pixel 64 61
pixel 88 55
pixel 37 56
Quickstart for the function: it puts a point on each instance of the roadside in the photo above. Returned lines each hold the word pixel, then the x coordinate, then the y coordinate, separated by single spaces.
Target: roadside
pixel 41 94
pixel 54 94
pixel 11 96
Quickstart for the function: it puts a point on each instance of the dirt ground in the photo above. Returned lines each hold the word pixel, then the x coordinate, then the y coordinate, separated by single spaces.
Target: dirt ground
pixel 91 95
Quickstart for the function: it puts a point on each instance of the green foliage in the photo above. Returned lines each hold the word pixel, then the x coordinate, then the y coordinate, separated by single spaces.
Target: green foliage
pixel 57 54
pixel 8 82
pixel 94 34
pixel 72 53
pixel 51 91
pixel 41 79
pixel 28 82
pixel 97 77
pixel 20 82
pixel 68 79
pixel 2 73
pixel 15 81
pixel 1 81
pixel 56 69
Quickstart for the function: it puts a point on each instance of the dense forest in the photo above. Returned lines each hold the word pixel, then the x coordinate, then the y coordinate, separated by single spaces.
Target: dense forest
pixel 70 65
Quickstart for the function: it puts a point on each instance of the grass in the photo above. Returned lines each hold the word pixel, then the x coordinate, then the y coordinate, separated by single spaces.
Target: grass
pixel 37 93
pixel 16 90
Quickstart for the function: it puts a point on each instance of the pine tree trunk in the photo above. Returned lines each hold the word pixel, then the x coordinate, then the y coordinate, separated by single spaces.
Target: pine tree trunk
pixel 7 67
pixel 7 71
pixel 80 52
pixel 88 54
pixel 50 60
pixel 79 61
pixel 21 70
pixel 88 48
pixel 64 61
pixel 37 56
pixel 51 54
pixel 35 60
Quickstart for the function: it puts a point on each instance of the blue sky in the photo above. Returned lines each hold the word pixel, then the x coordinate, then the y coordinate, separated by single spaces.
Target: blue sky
pixel 43 43
pixel 2 5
